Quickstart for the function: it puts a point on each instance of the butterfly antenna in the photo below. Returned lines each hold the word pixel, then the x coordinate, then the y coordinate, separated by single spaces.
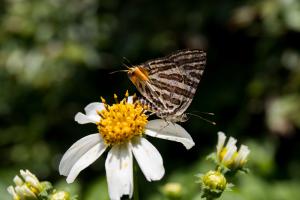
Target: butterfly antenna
pixel 206 113
pixel 124 65
pixel 207 120
pixel 124 58
pixel 124 70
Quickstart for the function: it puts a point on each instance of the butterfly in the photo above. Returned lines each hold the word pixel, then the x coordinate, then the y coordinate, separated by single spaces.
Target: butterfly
pixel 168 84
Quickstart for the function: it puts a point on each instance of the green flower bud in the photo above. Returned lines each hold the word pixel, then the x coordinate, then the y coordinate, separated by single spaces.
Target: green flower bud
pixel 60 195
pixel 213 184
pixel 172 190
pixel 214 180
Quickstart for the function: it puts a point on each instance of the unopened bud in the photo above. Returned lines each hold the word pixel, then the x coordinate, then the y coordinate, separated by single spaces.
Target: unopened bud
pixel 60 195
pixel 172 190
pixel 213 184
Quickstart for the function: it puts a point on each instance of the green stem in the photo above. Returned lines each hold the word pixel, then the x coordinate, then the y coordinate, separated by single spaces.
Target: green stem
pixel 135 182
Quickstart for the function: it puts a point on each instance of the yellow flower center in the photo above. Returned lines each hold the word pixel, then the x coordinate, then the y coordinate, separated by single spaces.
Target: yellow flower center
pixel 33 189
pixel 122 121
pixel 229 162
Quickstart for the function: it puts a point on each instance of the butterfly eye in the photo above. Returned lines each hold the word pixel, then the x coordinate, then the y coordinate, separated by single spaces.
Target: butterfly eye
pixel 131 73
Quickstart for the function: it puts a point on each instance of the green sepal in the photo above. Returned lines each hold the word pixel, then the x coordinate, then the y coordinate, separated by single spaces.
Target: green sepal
pixel 212 157
pixel 47 189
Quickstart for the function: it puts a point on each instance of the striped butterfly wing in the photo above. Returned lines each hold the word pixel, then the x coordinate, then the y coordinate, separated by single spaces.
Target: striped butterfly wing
pixel 191 64
pixel 173 81
pixel 160 89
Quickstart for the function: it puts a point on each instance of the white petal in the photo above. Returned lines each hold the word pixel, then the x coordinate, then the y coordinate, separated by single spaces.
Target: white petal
pixel 92 108
pixel 24 192
pixel 229 153
pixel 119 173
pixel 242 155
pixel 76 150
pixel 221 141
pixel 12 192
pixel 91 115
pixel 80 155
pixel 84 161
pixel 231 142
pixel 130 99
pixel 18 181
pixel 170 131
pixel 231 149
pixel 81 118
pixel 30 178
pixel 148 158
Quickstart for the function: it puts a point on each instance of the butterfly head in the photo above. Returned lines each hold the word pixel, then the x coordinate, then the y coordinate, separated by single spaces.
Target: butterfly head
pixel 137 74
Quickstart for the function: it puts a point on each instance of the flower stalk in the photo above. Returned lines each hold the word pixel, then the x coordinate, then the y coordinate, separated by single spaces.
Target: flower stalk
pixel 135 182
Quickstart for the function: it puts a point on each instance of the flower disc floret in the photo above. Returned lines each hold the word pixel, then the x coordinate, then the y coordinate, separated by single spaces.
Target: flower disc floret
pixel 229 162
pixel 121 122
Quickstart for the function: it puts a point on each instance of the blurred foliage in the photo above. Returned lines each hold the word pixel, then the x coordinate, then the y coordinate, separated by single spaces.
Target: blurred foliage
pixel 56 56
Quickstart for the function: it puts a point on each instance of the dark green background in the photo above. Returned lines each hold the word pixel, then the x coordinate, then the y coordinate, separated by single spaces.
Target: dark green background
pixel 56 56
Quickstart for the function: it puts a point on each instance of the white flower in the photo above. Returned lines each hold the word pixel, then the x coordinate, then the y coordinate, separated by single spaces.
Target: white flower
pixel 27 186
pixel 121 129
pixel 228 155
